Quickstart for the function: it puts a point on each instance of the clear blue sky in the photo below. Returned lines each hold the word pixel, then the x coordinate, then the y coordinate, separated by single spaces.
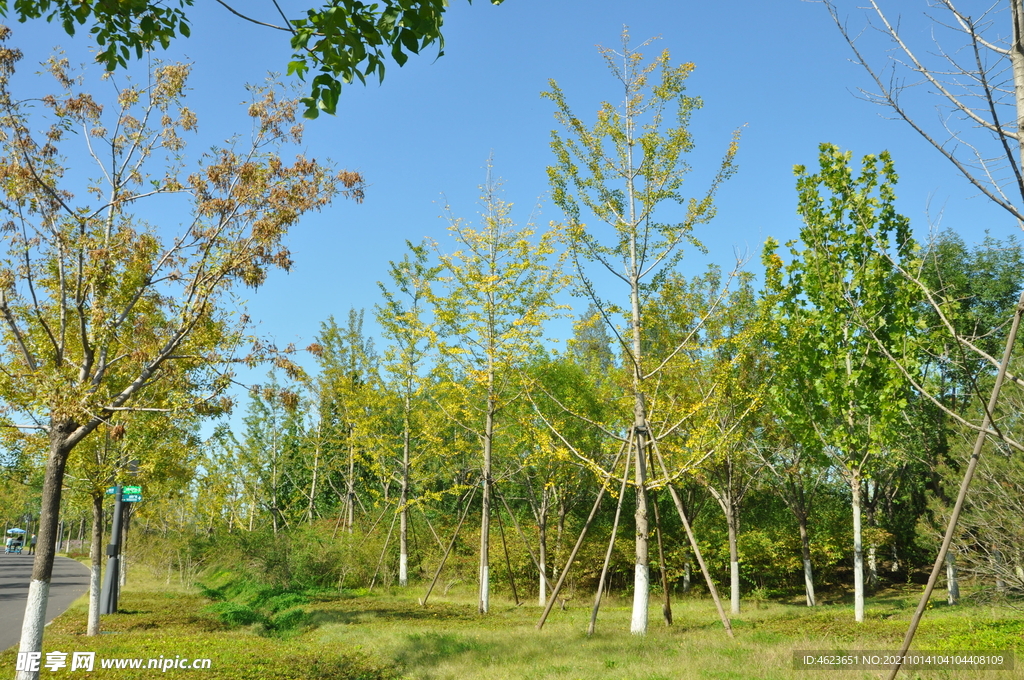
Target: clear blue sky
pixel 779 68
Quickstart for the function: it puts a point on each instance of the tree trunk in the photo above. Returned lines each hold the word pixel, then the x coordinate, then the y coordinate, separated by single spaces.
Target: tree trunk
pixel 542 550
pixel 687 575
pixel 403 528
pixel 732 519
pixel 1017 61
pixel 42 566
pixel 350 490
pixel 96 564
pixel 641 575
pixel 122 563
pixel 952 583
pixel 871 493
pixel 312 485
pixel 1000 568
pixel 858 549
pixel 805 550
pixel 485 511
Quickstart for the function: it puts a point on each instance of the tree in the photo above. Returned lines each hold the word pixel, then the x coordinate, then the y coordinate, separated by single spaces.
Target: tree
pixel 342 41
pixel 621 171
pixel 716 380
pixel 97 307
pixel 347 386
pixel 493 297
pixel 401 322
pixel 798 473
pixel 842 311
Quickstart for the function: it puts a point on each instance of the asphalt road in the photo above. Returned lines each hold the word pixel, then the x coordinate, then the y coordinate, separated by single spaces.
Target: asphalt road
pixel 70 580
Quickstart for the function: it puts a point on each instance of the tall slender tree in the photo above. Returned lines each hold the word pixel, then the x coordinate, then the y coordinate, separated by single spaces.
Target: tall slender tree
pixel 621 171
pixel 401 319
pixel 494 294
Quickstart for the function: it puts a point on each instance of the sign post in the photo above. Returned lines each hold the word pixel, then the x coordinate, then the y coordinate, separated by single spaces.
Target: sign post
pixel 108 595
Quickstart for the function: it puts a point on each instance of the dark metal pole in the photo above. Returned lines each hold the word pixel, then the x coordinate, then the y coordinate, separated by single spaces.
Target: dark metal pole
pixel 111 580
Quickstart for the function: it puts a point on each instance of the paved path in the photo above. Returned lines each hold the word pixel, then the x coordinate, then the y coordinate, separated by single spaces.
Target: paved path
pixel 70 580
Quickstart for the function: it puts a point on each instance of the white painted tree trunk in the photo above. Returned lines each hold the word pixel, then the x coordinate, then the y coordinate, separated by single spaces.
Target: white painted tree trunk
pixel 641 575
pixel 809 583
pixel 641 597
pixel 734 556
pixel 805 549
pixel 32 625
pixel 542 585
pixel 485 589
pixel 96 563
pixel 42 565
pixel 403 529
pixel 734 587
pixel 952 582
pixel 485 511
pixel 858 551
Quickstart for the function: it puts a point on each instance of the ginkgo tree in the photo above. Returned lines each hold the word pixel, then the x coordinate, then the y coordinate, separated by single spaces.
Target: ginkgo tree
pixel 493 296
pixel 401 320
pixel 104 315
pixel 626 171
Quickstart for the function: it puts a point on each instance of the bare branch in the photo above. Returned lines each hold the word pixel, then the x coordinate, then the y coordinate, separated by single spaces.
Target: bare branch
pixel 250 19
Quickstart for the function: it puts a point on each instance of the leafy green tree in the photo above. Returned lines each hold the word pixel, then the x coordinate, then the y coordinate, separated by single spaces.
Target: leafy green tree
pixel 341 41
pixel 149 452
pixel 105 316
pixel 842 307
pixel 620 171
pixel 493 296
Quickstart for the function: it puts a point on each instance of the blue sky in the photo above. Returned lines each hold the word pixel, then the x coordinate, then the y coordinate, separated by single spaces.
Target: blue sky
pixel 779 69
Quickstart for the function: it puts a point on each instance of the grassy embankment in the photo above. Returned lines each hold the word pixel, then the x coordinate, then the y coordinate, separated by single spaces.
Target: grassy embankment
pixel 270 635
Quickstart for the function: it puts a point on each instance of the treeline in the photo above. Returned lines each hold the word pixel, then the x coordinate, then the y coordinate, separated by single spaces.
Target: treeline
pixel 696 431
pixel 363 473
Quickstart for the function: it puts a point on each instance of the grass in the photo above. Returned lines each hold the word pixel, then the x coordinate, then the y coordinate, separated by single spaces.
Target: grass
pixel 385 635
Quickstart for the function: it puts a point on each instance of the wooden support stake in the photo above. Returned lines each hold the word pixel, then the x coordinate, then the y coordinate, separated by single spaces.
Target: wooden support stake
pixel 693 544
pixel 515 523
pixel 575 549
pixel 383 552
pixel 508 562
pixel 611 546
pixel 423 602
pixel 666 608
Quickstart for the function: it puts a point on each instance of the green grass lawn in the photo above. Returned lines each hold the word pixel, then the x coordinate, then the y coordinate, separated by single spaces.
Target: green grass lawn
pixel 388 635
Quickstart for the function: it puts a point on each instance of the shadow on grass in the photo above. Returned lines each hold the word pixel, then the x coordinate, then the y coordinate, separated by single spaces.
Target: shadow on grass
pixel 344 612
pixel 428 650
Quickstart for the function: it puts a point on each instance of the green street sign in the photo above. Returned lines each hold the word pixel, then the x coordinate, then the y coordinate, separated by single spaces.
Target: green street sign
pixel 111 491
pixel 131 490
pixel 131 498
